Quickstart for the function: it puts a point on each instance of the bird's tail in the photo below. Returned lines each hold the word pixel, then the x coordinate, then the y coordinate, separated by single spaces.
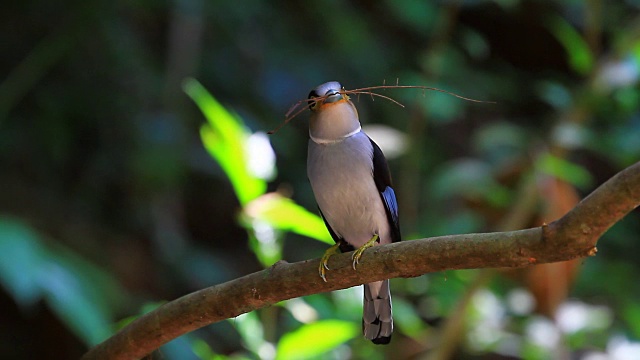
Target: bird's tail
pixel 377 322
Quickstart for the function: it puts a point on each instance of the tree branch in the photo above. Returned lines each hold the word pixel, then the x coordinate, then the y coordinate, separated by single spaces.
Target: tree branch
pixel 574 235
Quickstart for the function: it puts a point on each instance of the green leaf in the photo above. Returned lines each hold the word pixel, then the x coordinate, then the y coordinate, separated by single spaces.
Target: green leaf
pixel 251 330
pixel 419 16
pixel 470 178
pixel 580 56
pixel 73 302
pixel 188 346
pixel 78 292
pixel 407 318
pixel 204 351
pixel 285 215
pixel 564 170
pixel 22 258
pixel 81 294
pixel 442 108
pixel 265 242
pixel 631 315
pixel 225 137
pixel 146 308
pixel 315 339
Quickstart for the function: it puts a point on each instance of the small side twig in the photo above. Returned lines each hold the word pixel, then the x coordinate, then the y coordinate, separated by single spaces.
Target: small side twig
pixel 296 110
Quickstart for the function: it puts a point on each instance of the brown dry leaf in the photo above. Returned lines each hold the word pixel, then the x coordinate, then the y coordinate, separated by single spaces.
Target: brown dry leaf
pixel 550 283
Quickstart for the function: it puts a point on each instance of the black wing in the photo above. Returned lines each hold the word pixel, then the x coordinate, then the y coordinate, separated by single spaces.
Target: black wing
pixel 382 178
pixel 344 246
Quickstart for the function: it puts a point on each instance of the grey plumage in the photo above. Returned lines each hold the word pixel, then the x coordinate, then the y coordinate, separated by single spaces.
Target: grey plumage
pixel 377 320
pixel 352 185
pixel 345 191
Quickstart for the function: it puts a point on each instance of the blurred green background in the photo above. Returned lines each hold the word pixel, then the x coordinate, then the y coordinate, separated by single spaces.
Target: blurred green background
pixel 134 168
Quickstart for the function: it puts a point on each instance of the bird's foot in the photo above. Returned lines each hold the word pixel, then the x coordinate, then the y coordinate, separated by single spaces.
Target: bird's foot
pixel 358 253
pixel 324 263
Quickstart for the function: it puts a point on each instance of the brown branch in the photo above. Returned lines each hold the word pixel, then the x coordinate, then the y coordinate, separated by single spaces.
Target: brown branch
pixel 574 235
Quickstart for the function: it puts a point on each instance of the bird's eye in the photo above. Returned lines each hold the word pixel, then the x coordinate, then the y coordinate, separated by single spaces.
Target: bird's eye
pixel 312 104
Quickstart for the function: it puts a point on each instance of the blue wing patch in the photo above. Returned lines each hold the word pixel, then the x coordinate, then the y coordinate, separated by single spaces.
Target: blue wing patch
pixel 382 178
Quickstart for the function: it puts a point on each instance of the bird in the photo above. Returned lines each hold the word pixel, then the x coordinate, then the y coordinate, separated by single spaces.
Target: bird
pixel 352 186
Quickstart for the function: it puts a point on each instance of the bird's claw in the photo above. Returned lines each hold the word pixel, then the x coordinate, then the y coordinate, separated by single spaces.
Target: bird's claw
pixel 322 275
pixel 359 251
pixel 321 270
pixel 324 262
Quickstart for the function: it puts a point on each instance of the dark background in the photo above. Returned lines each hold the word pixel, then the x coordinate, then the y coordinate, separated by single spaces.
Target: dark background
pixel 109 202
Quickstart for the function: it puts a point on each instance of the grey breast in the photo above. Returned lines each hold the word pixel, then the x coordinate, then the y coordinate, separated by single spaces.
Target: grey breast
pixel 341 178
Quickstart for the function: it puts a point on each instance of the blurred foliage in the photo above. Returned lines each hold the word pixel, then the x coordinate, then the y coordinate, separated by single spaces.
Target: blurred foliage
pixel 311 341
pixel 82 295
pixel 124 183
pixel 226 138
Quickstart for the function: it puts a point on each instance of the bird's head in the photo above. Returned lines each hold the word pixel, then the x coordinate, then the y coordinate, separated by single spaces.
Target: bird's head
pixel 333 115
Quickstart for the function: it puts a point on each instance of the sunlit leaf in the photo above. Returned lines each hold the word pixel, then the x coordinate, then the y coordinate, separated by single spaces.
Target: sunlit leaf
pixel 315 339
pixel 225 137
pixel 284 214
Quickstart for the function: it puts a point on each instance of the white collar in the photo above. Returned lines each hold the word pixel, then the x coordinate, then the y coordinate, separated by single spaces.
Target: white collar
pixel 333 141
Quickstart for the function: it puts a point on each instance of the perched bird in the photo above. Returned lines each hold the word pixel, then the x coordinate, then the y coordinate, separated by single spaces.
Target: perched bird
pixel 352 186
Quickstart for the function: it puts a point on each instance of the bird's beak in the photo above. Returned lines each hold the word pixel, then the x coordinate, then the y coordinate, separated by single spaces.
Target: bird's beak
pixel 333 96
